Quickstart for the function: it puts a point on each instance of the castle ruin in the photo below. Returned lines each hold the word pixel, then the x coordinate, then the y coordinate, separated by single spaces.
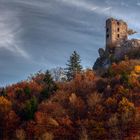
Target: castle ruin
pixel 117 43
pixel 116 32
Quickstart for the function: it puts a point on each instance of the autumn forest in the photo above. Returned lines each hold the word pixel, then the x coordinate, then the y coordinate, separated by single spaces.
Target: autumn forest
pixel 85 106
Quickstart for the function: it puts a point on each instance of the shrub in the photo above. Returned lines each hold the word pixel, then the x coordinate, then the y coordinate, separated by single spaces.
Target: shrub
pixel 126 112
pixel 113 124
pixel 47 136
pixel 111 104
pixel 101 84
pixel 94 99
pixel 20 134
pixel 27 90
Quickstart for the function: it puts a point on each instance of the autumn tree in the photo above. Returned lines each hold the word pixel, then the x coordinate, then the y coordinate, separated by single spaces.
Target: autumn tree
pixel 126 111
pixel 73 65
pixel 12 122
pixel 5 107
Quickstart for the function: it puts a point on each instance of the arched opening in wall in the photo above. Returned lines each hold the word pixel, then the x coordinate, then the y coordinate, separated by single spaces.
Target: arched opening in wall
pixel 107 30
pixel 118 23
pixel 107 36
pixel 118 36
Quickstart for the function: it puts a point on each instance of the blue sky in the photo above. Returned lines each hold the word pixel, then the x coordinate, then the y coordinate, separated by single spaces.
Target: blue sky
pixel 41 34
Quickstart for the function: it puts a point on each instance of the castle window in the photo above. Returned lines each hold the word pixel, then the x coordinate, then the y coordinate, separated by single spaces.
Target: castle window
pixel 107 36
pixel 107 30
pixel 118 36
pixel 118 23
pixel 118 29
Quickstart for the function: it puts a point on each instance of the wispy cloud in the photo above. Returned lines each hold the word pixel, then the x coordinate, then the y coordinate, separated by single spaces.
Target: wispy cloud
pixel 86 5
pixel 80 4
pixel 124 4
pixel 106 9
pixel 138 3
pixel 9 34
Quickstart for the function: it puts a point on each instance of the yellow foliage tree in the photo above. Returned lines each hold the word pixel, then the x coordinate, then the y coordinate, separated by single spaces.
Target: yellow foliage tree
pixel 126 112
pixel 5 105
pixel 134 76
pixel 137 69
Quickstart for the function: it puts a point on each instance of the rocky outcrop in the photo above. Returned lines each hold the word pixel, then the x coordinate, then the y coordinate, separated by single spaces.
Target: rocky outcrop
pixel 126 47
pixel 102 61
pixel 129 48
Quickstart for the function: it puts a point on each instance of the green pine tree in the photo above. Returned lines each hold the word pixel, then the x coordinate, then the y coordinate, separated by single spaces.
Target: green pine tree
pixel 73 65
pixel 30 108
pixel 50 86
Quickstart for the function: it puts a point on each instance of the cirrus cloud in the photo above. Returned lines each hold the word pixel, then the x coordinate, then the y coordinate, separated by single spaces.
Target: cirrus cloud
pixel 10 29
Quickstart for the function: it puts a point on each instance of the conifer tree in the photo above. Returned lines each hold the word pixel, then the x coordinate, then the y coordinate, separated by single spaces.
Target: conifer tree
pixel 50 86
pixel 30 108
pixel 73 65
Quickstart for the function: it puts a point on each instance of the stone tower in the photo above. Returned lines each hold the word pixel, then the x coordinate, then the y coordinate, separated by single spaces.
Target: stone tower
pixel 116 32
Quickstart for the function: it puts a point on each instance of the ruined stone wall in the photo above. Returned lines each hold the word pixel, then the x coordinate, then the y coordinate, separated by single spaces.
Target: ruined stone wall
pixel 128 46
pixel 116 32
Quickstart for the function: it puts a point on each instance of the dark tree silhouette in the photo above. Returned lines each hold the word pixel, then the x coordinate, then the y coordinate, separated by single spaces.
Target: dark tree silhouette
pixel 50 86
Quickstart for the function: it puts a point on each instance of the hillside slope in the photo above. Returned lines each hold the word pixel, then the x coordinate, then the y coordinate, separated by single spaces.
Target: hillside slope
pixel 86 108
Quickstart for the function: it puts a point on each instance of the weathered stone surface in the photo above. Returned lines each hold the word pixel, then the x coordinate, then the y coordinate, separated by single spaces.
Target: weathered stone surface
pixel 116 31
pixel 126 47
pixel 101 52
pixel 102 63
